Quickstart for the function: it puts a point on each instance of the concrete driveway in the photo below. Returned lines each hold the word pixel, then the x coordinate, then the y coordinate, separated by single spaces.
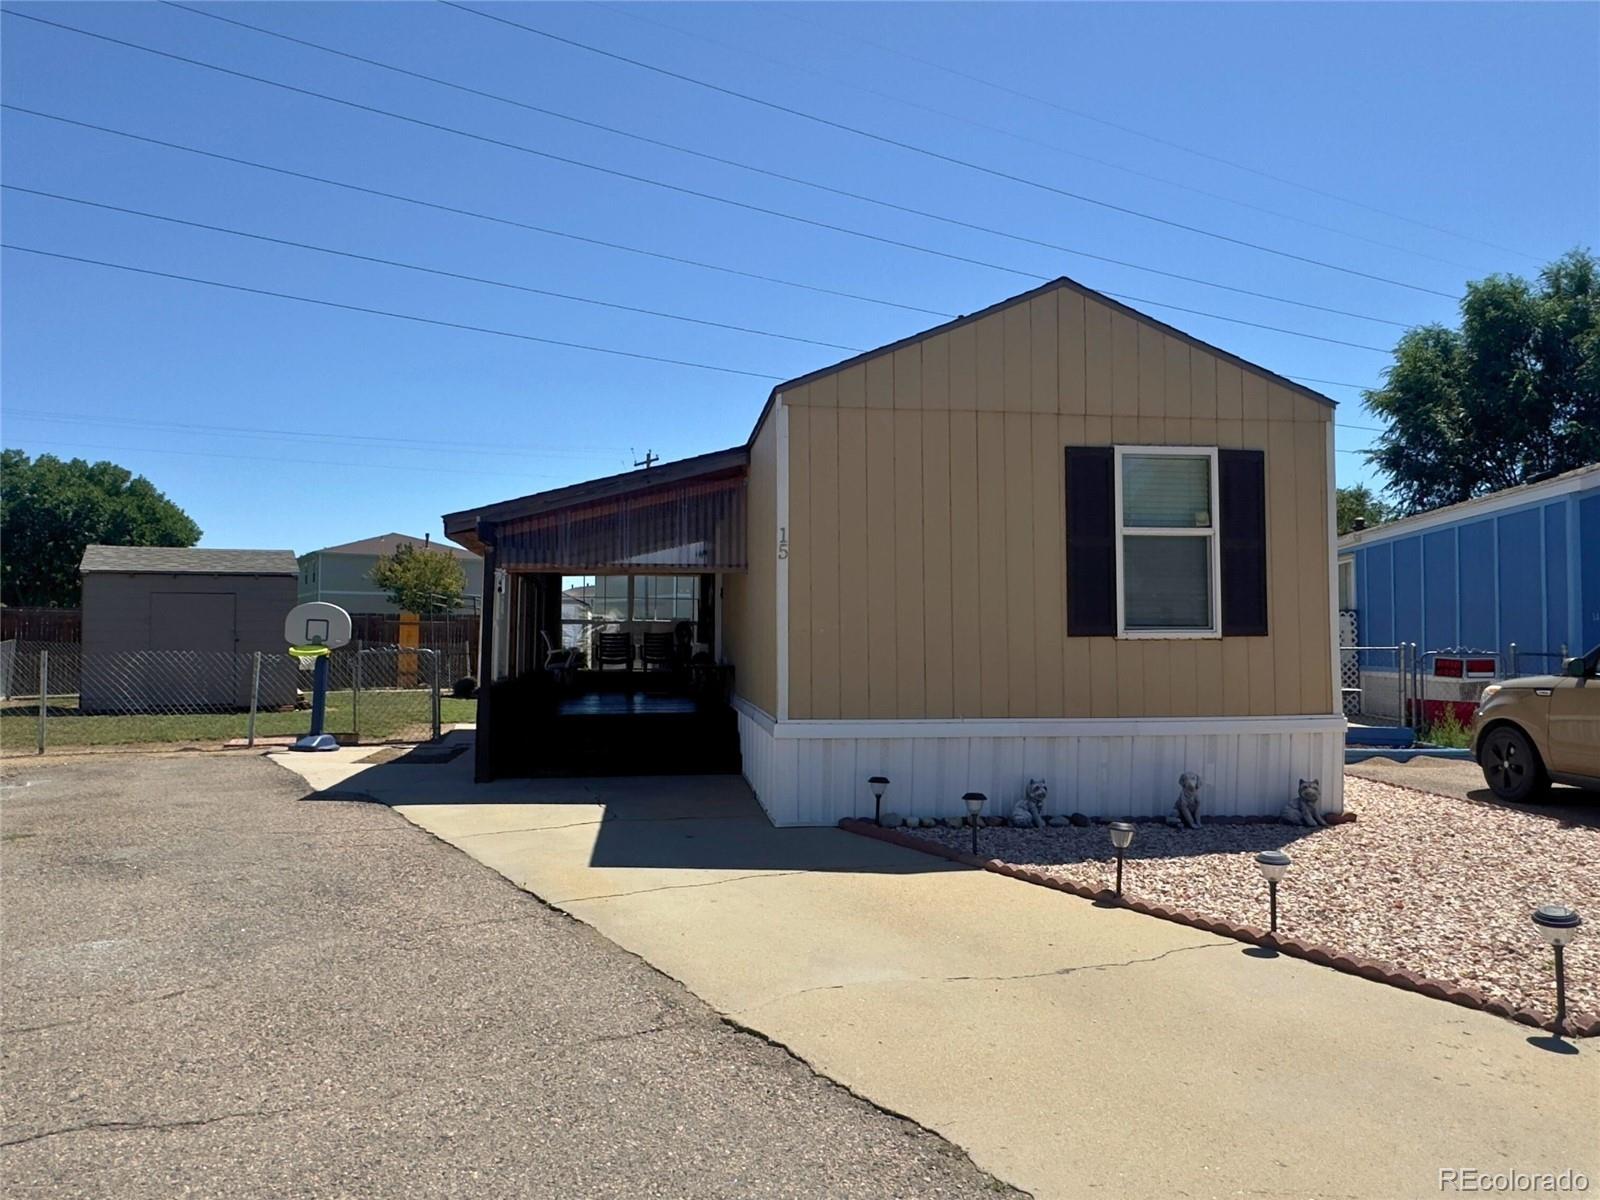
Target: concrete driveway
pixel 1072 1051
pixel 212 989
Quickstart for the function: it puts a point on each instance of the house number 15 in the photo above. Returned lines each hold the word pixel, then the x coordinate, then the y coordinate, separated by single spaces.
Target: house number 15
pixel 783 541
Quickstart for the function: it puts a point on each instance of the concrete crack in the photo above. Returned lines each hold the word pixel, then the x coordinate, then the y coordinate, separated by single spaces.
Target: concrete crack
pixel 1062 971
pixel 1082 967
pixel 144 1126
pixel 671 887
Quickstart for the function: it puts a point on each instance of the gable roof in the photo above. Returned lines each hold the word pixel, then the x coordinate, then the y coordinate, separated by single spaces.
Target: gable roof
pixel 180 560
pixel 1061 282
pixel 386 543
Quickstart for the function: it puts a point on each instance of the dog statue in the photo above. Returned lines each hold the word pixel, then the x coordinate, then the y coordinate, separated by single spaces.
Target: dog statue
pixel 1305 808
pixel 1187 809
pixel 1029 811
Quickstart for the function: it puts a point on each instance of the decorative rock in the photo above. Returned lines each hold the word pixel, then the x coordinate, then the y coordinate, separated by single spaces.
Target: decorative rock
pixel 1057 821
pixel 927 822
pixel 1079 820
pixel 893 820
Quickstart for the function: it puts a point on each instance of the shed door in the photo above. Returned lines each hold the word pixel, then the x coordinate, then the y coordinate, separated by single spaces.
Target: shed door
pixel 201 626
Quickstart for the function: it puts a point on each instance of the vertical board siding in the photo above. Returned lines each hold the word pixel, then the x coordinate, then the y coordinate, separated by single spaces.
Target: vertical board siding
pixel 1479 582
pixel 934 572
pixel 819 781
pixel 801 547
pixel 750 600
pixel 822 577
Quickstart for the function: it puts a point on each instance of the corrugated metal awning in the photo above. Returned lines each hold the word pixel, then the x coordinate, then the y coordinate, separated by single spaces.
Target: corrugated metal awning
pixel 695 525
pixel 677 518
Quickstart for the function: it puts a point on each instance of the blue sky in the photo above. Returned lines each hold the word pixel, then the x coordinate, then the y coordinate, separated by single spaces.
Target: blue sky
pixel 1367 130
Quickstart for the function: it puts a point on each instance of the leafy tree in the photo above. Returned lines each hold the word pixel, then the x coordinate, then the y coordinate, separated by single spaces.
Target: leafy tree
pixel 1360 501
pixel 421 581
pixel 1512 395
pixel 50 510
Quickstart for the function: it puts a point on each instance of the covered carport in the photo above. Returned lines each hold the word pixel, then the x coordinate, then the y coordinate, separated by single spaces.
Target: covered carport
pixel 542 708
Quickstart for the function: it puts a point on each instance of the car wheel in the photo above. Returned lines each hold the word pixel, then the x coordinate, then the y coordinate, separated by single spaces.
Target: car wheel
pixel 1511 765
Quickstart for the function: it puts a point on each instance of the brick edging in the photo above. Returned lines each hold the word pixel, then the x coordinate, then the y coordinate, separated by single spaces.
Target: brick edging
pixel 1581 1025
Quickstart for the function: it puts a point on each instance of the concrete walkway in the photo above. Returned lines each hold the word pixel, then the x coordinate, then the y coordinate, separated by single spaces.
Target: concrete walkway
pixel 1071 1051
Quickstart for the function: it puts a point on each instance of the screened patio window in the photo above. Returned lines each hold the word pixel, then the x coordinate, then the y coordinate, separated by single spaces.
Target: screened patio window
pixel 1167 556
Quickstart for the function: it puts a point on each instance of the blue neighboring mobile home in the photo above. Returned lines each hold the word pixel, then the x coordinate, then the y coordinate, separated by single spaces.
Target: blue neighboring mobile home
pixel 1516 567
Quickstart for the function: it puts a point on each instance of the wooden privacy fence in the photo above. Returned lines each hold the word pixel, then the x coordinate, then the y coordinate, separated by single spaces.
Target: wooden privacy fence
pixel 41 624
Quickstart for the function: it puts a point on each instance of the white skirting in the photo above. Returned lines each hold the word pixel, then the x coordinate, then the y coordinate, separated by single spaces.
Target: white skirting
pixel 815 772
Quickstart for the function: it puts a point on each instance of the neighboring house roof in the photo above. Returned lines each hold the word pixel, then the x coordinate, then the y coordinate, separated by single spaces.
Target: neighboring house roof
pixel 387 543
pixel 1025 297
pixel 178 560
pixel 1576 480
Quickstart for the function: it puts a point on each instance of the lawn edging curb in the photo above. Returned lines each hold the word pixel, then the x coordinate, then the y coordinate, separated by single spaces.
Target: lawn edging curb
pixel 1580 1025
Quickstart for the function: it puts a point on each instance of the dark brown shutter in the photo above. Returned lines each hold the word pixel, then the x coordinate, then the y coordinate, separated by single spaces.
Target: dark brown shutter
pixel 1242 480
pixel 1091 543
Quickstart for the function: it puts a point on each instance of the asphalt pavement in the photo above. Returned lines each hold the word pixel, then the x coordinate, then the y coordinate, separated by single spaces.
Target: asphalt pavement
pixel 213 988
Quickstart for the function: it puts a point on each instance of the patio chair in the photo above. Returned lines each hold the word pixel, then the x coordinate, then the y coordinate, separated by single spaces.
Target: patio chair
pixel 658 650
pixel 559 662
pixel 612 649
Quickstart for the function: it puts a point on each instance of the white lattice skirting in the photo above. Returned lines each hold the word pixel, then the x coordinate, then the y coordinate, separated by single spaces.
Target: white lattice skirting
pixel 815 772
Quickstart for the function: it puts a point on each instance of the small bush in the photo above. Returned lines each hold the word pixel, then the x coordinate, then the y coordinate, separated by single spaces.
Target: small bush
pixel 1448 731
pixel 464 688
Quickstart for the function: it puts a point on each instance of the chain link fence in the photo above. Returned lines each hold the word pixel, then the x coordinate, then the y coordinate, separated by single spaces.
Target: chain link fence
pixel 60 698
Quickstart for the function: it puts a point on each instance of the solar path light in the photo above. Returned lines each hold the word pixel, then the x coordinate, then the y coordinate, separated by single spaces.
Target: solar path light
pixel 1121 838
pixel 879 784
pixel 974 802
pixel 1272 864
pixel 1559 925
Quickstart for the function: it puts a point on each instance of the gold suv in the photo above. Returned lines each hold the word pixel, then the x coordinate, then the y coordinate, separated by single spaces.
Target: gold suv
pixel 1530 731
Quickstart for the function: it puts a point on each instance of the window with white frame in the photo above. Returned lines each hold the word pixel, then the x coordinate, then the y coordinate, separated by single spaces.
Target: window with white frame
pixel 1168 565
pixel 1347 583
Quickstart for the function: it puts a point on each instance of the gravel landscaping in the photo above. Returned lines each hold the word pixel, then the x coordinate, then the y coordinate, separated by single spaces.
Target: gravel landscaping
pixel 1438 886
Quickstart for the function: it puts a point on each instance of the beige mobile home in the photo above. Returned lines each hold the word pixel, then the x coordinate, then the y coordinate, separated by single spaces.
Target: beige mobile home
pixel 1056 539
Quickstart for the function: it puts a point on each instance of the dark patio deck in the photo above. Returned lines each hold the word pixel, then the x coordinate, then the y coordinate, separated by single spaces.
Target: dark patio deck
pixel 612 723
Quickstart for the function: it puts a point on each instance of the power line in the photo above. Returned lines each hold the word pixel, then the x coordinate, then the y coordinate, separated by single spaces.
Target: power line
pixel 1128 129
pixel 937 155
pixel 965 119
pixel 467 212
pixel 417 445
pixel 1316 337
pixel 379 312
pixel 364 441
pixel 772 174
pixel 405 266
pixel 544 154
pixel 278 459
pixel 1360 387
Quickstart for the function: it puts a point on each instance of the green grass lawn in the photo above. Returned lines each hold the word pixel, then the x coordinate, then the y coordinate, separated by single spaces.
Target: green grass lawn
pixel 386 716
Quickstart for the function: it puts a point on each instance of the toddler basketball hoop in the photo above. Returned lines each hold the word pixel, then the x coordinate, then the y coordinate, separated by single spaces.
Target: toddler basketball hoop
pixel 314 631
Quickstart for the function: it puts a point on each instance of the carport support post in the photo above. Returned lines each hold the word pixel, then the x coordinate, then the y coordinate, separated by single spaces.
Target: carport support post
pixel 44 693
pixel 255 697
pixel 433 658
pixel 482 761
